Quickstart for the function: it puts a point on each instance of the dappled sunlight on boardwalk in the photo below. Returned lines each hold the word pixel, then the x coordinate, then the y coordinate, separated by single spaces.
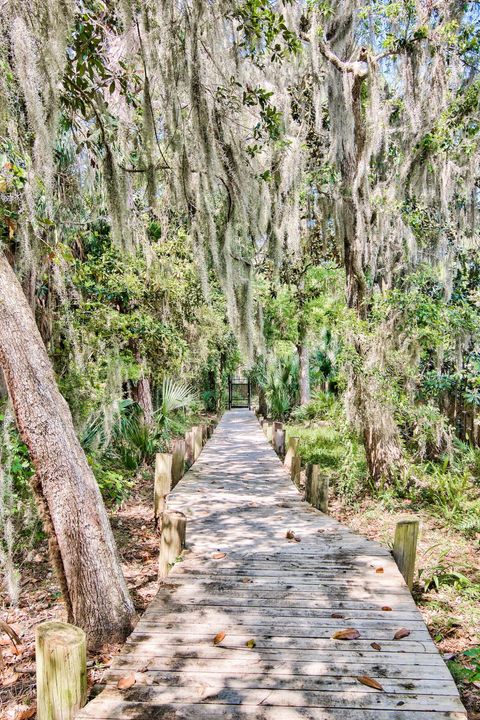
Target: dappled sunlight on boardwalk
pixel 274 605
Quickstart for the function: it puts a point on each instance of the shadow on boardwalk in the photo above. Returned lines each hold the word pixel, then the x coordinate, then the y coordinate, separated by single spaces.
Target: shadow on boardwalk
pixel 278 603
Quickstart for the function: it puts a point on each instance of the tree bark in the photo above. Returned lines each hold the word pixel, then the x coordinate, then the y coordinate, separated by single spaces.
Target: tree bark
pixel 97 597
pixel 142 394
pixel 304 372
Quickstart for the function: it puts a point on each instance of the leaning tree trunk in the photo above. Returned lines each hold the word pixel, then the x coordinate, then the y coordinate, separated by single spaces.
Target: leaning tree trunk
pixel 90 574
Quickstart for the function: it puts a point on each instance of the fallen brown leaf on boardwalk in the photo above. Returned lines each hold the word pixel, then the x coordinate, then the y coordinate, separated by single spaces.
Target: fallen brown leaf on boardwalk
pixel 291 536
pixel 127 681
pixel 250 643
pixel 347 634
pixel 219 637
pixel 379 570
pixel 370 682
pixel 376 646
pixel 402 633
pixel 337 615
pixel 219 555
pixel 386 608
pixel 246 580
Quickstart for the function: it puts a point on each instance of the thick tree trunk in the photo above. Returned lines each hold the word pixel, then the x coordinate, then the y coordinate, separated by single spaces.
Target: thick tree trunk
pixel 142 394
pixel 304 372
pixel 96 594
pixel 375 419
pixel 262 402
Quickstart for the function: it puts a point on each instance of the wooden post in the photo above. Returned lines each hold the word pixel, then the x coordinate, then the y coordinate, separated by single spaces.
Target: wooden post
pixel 172 540
pixel 276 426
pixel 292 447
pixel 209 431
pixel 295 468
pixel 268 427
pixel 405 548
pixel 189 450
pixel 279 442
pixel 316 488
pixel 163 483
pixel 197 441
pixel 204 434
pixel 61 660
pixel 178 461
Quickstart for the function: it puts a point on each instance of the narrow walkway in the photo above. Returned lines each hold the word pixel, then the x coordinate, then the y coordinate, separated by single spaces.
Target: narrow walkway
pixel 278 602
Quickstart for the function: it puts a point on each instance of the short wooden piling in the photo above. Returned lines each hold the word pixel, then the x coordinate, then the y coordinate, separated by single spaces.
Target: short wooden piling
pixel 268 427
pixel 295 469
pixel 162 484
pixel 178 461
pixel 189 448
pixel 279 443
pixel 61 666
pixel 197 441
pixel 172 540
pixel 405 547
pixel 204 434
pixel 316 488
pixel 292 447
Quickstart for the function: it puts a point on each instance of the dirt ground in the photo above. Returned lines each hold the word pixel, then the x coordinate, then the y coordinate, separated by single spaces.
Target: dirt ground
pixel 40 601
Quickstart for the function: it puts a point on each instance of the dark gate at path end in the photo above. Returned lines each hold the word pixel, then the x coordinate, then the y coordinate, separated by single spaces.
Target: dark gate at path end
pixel 239 393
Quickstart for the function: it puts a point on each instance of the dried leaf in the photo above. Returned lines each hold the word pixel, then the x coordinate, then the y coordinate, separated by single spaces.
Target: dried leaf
pixel 347 634
pixel 379 570
pixel 11 634
pixel 337 615
pixel 370 682
pixel 250 643
pixel 376 646
pixel 385 608
pixel 26 713
pixel 246 580
pixel 402 633
pixel 219 637
pixel 127 681
pixel 291 536
pixel 219 555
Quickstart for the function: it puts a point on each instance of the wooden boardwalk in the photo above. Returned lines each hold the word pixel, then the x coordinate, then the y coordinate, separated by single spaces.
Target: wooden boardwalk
pixel 241 576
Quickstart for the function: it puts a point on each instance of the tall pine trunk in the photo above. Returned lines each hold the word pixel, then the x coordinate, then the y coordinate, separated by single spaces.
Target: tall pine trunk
pixel 304 372
pixel 85 554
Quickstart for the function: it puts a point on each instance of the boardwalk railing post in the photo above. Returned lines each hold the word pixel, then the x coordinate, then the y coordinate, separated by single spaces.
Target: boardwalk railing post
pixel 295 469
pixel 279 443
pixel 276 426
pixel 61 661
pixel 268 427
pixel 178 461
pixel 316 488
pixel 189 449
pixel 204 434
pixel 292 447
pixel 162 484
pixel 172 540
pixel 405 548
pixel 197 441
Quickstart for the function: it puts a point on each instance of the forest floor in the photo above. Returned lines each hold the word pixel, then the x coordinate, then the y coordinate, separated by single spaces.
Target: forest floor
pixel 40 600
pixel 451 612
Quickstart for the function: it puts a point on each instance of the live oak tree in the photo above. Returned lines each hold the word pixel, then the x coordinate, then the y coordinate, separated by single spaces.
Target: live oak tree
pixel 81 541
